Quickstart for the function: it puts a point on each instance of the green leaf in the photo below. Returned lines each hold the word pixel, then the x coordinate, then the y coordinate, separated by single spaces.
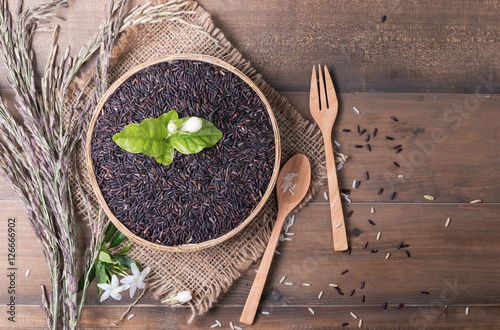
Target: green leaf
pixel 147 137
pixel 110 232
pixel 125 249
pixel 127 262
pixel 191 143
pixel 168 157
pixel 105 257
pixel 119 237
pixel 100 273
pixel 169 117
pixel 81 282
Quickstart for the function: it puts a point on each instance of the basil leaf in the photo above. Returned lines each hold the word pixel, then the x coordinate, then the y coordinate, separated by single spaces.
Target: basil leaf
pixel 119 237
pixel 125 249
pixel 168 157
pixel 191 143
pixel 110 232
pixel 81 282
pixel 147 137
pixel 127 262
pixel 169 117
pixel 105 257
pixel 100 273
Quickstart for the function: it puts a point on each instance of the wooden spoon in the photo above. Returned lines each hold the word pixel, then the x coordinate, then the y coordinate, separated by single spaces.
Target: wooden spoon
pixel 287 201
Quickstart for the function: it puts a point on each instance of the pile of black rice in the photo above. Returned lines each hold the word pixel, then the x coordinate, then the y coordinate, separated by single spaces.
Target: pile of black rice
pixel 198 197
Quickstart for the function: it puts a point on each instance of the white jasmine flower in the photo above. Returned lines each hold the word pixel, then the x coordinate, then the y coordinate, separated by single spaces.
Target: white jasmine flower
pixel 182 297
pixel 172 128
pixel 112 289
pixel 192 125
pixel 135 281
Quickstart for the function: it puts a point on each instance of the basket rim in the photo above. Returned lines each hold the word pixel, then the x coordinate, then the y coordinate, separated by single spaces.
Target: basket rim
pixel 97 191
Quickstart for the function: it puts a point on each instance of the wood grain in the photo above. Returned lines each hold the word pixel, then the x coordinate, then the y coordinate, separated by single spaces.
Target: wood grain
pixel 161 317
pixel 423 46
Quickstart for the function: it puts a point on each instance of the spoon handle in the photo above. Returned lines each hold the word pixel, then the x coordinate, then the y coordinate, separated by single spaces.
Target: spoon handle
pixel 248 314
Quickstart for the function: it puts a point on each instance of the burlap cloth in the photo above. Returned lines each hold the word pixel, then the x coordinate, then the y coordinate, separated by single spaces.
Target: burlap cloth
pixel 211 271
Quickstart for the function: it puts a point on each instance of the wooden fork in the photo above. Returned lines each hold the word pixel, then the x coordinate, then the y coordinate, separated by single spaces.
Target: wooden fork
pixel 324 116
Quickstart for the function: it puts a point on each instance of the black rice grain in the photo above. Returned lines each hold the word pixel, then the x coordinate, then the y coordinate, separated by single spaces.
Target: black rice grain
pixel 345 271
pixel 365 245
pixel 395 119
pixel 362 131
pixel 357 128
pixel 350 213
pixel 424 292
pixel 344 324
pixel 400 306
pixel 346 130
pixel 393 195
pixel 369 147
pixel 357 184
pixel 390 138
pixel 363 299
pixel 380 191
pixel 375 132
pixel 367 139
pixel 399 150
pixel 374 251
pixel 352 293
pixel 408 253
pixel 371 222
pixel 362 286
pixel 385 306
pixel 359 146
pixel 396 164
pixel 367 176
pixel 383 19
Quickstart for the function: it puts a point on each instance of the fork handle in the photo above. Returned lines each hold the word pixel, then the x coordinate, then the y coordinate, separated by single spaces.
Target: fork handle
pixel 337 216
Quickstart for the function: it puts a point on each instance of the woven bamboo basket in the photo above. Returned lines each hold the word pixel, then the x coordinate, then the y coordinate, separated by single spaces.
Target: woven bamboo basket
pixel 93 180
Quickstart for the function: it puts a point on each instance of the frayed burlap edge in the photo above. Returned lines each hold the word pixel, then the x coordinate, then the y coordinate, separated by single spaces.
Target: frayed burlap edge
pixel 212 271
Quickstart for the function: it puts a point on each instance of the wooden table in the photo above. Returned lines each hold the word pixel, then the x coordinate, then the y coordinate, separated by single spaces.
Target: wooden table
pixel 433 65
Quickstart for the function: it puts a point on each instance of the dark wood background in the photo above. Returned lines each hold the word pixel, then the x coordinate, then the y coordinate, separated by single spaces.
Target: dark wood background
pixel 434 65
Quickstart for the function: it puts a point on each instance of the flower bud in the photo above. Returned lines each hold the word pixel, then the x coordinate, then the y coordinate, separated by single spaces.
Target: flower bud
pixel 183 296
pixel 192 125
pixel 172 128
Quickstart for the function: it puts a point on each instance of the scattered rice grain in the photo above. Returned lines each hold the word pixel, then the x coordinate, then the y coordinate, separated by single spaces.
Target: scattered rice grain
pixel 429 197
pixel 290 234
pixel 467 310
pixel 237 328
pixel 306 284
pixel 265 313
pixel 288 283
pixel 354 315
pixel 360 324
pixel 378 235
pixel 337 226
pixel 387 256
pixel 282 279
pixel 130 316
pixel 27 273
pixel 231 324
pixel 447 222
pixel 336 143
pixel 476 201
pixel 325 195
pixel 288 239
pixel 356 109
pixel 401 176
pixel 354 184
pixel 372 210
pixel 311 310
pixel 277 252
pixel 320 294
pixel 333 285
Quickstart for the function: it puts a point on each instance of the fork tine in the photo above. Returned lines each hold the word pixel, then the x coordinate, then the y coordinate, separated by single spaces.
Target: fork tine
pixel 322 92
pixel 313 95
pixel 330 90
